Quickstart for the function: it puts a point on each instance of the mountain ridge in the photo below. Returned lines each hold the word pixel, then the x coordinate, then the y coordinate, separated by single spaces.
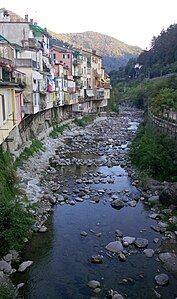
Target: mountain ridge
pixel 114 52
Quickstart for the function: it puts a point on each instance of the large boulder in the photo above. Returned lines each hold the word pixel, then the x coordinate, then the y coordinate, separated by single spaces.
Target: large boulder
pixel 168 195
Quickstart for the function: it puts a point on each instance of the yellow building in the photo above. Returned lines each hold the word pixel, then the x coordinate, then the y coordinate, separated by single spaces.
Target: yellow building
pixel 7 110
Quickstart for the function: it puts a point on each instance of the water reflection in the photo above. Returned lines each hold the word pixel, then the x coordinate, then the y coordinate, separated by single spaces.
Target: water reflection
pixel 61 268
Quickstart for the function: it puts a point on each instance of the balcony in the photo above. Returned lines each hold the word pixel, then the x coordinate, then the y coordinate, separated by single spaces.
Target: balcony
pixel 96 74
pixel 100 94
pixel 6 53
pixel 89 93
pixel 88 71
pixel 67 99
pixel 77 74
pixel 107 85
pixel 77 61
pixel 26 62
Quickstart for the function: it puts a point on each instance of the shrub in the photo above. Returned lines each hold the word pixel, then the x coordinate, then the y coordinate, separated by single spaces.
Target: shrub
pixel 15 222
pixel 85 120
pixel 154 152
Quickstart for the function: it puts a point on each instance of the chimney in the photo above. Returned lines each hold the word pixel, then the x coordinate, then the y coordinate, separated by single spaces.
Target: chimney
pixel 31 21
pixel 35 23
pixel 26 18
pixel 94 52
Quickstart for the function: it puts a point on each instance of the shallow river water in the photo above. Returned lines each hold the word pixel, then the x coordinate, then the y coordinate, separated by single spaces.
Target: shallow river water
pixel 61 268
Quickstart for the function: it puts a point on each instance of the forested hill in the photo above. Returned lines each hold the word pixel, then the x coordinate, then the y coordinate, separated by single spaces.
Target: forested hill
pixel 161 59
pixel 114 52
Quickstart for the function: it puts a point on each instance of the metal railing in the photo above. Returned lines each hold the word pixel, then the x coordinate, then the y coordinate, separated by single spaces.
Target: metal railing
pixel 165 126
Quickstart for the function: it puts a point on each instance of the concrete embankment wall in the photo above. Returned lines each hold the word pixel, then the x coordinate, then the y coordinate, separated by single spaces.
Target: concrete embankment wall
pixel 34 126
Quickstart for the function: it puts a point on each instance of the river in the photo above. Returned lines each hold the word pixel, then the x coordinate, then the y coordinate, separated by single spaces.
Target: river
pixel 82 225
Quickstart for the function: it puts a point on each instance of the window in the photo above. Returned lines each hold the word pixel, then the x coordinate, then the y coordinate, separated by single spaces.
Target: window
pixel 54 56
pixel 3 107
pixel 66 56
pixel 8 102
pixel 35 100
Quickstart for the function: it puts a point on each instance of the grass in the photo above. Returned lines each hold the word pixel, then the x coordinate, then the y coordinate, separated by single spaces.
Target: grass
pixel 6 292
pixel 84 121
pixel 35 147
pixel 58 129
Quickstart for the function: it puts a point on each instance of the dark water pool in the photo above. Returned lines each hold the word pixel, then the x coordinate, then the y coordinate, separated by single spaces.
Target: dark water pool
pixel 61 269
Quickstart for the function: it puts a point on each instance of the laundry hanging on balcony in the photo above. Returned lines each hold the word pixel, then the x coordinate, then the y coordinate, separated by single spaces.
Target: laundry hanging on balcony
pixel 51 85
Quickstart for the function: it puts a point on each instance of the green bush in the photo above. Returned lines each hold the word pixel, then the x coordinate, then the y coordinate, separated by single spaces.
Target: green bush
pixel 15 222
pixel 155 153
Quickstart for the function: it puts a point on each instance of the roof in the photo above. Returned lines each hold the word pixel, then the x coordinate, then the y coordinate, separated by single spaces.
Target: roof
pixel 37 30
pixel 3 40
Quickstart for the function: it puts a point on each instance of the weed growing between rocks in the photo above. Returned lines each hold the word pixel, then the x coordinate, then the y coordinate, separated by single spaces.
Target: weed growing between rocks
pixel 84 121
pixel 58 129
pixel 35 147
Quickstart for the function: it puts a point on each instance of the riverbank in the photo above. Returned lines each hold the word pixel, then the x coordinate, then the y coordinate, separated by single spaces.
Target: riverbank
pixel 108 139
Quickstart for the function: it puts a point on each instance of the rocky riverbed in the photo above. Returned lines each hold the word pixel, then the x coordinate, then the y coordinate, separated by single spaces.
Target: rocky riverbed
pixel 90 166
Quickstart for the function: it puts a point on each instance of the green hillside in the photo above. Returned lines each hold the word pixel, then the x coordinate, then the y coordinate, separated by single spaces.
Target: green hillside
pixel 114 52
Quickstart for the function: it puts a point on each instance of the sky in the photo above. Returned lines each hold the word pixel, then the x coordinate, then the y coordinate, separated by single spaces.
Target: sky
pixel 133 22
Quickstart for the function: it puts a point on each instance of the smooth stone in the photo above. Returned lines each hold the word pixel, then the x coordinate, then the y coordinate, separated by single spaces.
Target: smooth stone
pixel 162 279
pixel 7 257
pixel 97 290
pixel 165 256
pixel 148 252
pixel 60 198
pixel 153 199
pixel 71 202
pixel 25 265
pixel 132 203
pixel 118 203
pixel 96 259
pixel 79 199
pixel 141 243
pixel 122 257
pixel 154 216
pixel 5 267
pixel 115 247
pixel 129 240
pixel 83 234
pixel 117 296
pixel 20 285
pixel 156 240
pixel 43 229
pixel 93 284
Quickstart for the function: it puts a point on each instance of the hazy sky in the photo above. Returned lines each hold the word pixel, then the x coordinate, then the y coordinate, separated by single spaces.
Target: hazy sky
pixel 134 22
